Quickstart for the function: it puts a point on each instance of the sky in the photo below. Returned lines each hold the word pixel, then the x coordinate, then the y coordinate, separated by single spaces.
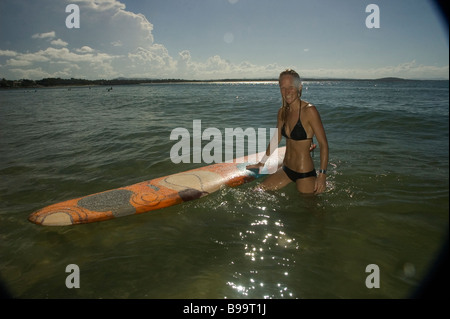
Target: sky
pixel 219 39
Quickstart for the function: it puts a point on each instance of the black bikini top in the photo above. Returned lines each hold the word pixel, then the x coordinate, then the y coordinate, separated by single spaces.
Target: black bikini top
pixel 298 133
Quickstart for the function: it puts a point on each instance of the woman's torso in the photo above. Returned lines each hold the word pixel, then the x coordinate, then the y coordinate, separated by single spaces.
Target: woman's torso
pixel 298 140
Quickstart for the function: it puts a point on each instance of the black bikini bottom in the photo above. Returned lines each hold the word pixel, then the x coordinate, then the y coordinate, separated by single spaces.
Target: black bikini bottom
pixel 293 175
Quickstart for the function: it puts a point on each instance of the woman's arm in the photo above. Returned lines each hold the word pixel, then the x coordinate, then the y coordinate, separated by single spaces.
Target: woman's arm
pixel 319 131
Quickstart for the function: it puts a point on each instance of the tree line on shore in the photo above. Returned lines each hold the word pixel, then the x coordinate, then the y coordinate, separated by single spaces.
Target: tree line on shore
pixel 52 82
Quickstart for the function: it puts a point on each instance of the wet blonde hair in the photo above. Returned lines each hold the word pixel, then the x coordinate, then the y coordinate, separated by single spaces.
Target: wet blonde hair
pixel 297 83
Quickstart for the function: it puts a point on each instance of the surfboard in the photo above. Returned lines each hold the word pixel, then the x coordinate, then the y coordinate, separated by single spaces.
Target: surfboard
pixel 154 194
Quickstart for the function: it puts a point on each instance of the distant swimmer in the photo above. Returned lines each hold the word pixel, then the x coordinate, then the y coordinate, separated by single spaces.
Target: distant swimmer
pixel 298 121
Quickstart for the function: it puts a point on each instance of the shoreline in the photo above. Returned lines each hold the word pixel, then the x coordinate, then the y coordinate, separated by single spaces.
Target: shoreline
pixel 81 83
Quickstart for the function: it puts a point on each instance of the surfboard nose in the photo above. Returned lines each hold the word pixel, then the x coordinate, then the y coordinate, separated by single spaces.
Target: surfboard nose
pixel 55 219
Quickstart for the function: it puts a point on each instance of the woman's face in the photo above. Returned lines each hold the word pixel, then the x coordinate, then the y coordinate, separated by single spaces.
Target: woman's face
pixel 289 91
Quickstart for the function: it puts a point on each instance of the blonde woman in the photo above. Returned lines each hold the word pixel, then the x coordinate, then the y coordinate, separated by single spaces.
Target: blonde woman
pixel 298 121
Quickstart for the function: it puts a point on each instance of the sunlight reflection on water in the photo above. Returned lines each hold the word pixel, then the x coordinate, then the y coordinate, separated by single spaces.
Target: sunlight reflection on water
pixel 266 252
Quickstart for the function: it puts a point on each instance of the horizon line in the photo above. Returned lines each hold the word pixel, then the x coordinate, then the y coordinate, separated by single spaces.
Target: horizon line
pixel 392 78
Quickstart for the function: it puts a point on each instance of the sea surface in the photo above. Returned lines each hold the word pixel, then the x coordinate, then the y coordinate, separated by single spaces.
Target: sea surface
pixel 387 201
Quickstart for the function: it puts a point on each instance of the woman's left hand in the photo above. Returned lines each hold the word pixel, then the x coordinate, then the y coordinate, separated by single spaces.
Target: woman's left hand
pixel 320 184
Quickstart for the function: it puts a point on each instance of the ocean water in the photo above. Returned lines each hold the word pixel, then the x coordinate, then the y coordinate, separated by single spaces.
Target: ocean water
pixel 386 202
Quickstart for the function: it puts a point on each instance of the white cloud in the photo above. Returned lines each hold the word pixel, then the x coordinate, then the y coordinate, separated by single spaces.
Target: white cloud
pixel 146 62
pixel 7 53
pixel 18 63
pixel 216 67
pixel 59 42
pixel 110 42
pixel 49 62
pixel 47 35
pixel 85 49
pixel 39 73
pixel 107 26
pixel 100 5
pixel 27 59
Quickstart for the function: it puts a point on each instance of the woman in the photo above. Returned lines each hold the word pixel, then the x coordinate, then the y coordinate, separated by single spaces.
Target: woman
pixel 298 121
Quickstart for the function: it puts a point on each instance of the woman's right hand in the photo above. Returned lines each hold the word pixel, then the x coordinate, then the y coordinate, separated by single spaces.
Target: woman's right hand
pixel 253 166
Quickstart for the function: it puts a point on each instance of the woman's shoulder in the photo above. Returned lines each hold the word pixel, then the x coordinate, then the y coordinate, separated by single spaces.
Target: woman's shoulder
pixel 308 105
pixel 310 109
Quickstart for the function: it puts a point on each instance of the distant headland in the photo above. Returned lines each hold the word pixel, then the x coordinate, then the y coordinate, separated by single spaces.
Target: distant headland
pixel 72 82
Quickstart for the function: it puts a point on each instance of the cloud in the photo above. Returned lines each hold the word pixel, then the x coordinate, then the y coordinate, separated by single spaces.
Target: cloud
pixel 216 67
pixel 100 5
pixel 106 25
pixel 111 41
pixel 54 62
pixel 7 53
pixel 18 63
pixel 85 49
pixel 22 59
pixel 59 42
pixel 47 35
pixel 155 56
